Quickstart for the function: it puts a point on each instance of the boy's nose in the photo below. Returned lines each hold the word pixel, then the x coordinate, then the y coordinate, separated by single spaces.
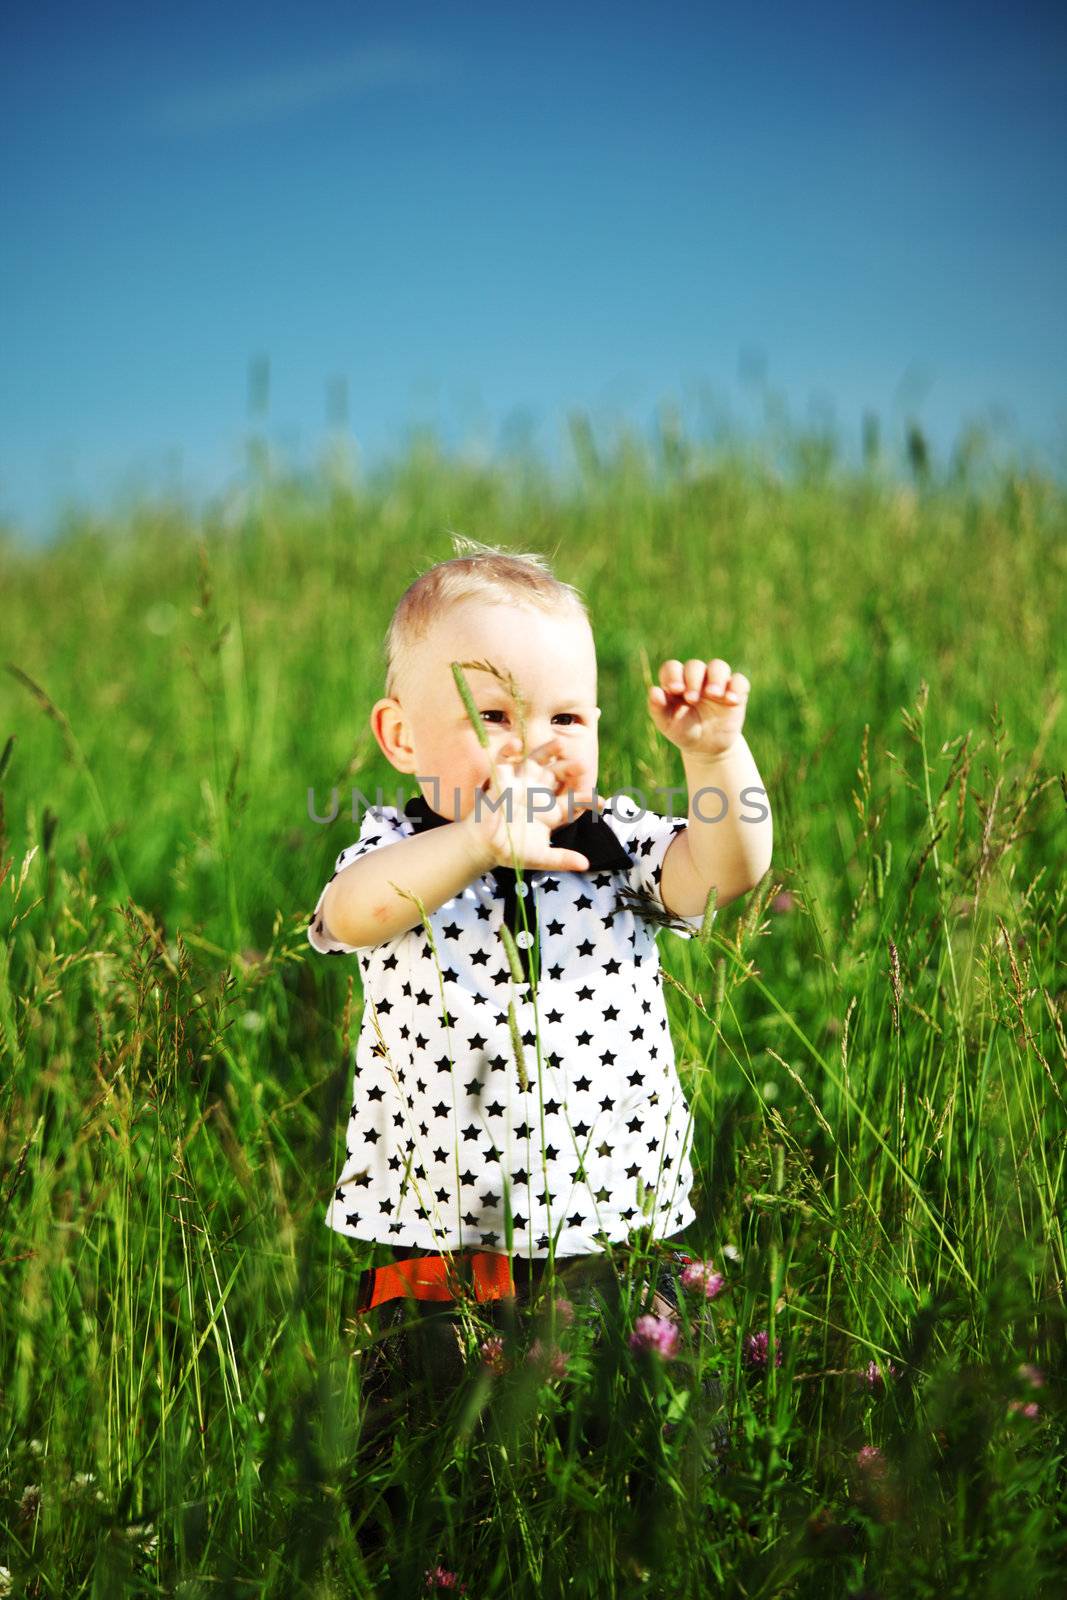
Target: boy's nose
pixel 512 748
pixel 552 746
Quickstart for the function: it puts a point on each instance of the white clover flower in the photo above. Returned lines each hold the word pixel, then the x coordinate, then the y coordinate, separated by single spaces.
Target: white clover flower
pixel 31 1500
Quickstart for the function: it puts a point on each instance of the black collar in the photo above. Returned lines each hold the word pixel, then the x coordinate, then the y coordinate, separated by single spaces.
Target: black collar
pixel 588 834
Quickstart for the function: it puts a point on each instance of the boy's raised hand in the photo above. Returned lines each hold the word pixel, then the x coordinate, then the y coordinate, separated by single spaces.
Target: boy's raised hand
pixel 700 706
pixel 531 816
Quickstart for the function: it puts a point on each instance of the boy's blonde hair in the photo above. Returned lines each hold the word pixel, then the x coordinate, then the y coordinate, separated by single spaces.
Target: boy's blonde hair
pixel 477 571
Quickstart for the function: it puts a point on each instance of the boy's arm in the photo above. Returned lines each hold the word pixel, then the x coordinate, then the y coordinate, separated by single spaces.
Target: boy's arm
pixel 733 852
pixel 362 908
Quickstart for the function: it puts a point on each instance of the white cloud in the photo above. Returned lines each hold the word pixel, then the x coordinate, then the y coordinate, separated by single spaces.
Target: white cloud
pixel 268 96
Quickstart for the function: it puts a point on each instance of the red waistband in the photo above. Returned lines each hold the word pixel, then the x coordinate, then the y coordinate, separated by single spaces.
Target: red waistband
pixel 436 1278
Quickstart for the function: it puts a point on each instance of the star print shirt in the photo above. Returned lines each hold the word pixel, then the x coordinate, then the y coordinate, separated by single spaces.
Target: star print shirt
pixel 442 1140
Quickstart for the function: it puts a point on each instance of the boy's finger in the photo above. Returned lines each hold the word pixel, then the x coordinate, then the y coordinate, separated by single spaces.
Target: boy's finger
pixel 568 799
pixel 542 800
pixel 694 679
pixel 567 816
pixel 718 676
pixel 565 860
pixel 539 772
pixel 670 676
pixel 565 770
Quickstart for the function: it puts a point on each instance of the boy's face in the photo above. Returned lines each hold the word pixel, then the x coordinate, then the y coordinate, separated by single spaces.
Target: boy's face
pixel 552 660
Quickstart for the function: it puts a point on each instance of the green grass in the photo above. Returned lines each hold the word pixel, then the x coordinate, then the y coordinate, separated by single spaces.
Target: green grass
pixel 875 1062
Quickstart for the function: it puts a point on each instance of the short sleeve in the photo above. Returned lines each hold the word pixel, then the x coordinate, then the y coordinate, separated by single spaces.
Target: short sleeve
pixel 380 826
pixel 647 836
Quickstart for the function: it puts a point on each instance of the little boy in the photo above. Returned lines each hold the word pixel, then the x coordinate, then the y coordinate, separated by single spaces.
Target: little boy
pixel 494 1119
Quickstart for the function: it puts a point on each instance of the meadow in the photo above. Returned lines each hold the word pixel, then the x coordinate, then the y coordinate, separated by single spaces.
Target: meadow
pixel 872 1042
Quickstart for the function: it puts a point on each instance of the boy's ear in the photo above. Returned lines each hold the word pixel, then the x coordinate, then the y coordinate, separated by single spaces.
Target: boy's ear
pixel 389 726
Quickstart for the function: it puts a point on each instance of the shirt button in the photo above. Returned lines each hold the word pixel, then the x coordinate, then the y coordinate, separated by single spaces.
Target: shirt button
pixel 522 889
pixel 524 940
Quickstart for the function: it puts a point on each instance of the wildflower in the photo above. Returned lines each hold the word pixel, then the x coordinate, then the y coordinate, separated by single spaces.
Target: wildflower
pixel 701 1275
pixel 1025 1408
pixel 873 1377
pixel 1031 1375
pixel 492 1353
pixel 757 1349
pixel 655 1333
pixel 565 1311
pixel 871 1461
pixel 549 1356
pixel 783 902
pixel 438 1578
pixel 5 1580
pixel 30 1503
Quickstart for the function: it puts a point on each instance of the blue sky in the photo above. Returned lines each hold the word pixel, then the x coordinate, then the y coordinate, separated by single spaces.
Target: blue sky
pixel 479 214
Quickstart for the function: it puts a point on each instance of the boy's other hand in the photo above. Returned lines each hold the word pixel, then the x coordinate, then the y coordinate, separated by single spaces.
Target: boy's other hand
pixel 700 706
pixel 539 788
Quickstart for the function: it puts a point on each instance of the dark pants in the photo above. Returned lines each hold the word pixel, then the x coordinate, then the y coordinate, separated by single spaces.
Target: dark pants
pixel 416 1364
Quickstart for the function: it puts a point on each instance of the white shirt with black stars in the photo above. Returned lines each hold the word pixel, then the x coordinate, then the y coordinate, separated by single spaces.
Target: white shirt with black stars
pixel 440 1125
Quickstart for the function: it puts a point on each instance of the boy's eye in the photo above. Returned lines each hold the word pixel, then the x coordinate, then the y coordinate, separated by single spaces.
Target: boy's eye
pixel 571 716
